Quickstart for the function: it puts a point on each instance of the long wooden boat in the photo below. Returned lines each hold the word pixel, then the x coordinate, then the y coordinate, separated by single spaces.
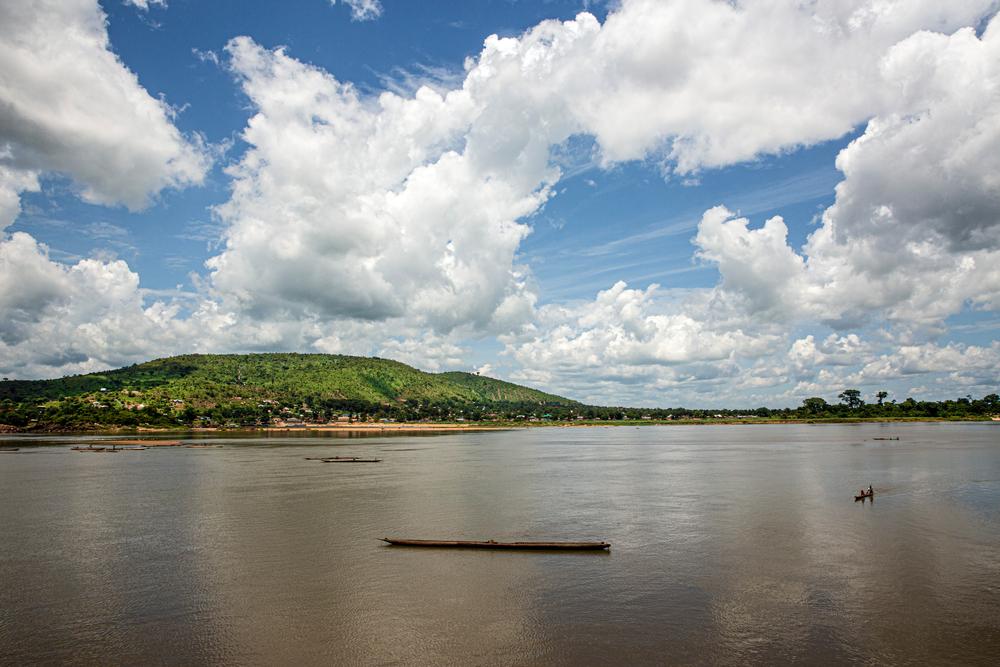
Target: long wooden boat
pixel 10 449
pixel 332 458
pixel 863 496
pixel 492 544
pixel 108 450
pixel 350 460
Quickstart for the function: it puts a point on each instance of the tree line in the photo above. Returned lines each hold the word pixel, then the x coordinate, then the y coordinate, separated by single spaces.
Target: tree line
pixel 100 410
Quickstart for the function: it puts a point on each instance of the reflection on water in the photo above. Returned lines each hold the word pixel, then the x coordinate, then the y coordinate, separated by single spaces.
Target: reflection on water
pixel 730 544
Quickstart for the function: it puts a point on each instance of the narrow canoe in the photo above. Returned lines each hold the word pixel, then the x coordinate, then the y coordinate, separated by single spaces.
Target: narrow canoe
pixel 491 544
pixel 862 497
pixel 350 460
pixel 332 458
pixel 10 449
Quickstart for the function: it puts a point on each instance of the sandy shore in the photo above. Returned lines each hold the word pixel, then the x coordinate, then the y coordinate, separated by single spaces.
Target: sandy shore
pixel 147 443
pixel 451 427
pixel 365 427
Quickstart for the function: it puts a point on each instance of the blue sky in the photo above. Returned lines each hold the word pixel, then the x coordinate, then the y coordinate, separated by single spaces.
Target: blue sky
pixel 542 205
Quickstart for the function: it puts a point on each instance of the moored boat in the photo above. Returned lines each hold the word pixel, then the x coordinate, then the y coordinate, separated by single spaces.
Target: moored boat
pixel 332 458
pixel 493 544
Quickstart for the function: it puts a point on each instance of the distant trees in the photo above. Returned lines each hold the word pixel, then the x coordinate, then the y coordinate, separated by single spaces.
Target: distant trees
pixel 851 398
pixel 851 406
pixel 815 405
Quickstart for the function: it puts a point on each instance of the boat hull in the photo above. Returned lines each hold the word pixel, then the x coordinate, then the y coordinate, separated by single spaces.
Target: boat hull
pixel 490 544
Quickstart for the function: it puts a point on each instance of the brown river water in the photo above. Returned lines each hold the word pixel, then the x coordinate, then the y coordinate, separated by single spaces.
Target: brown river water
pixel 730 545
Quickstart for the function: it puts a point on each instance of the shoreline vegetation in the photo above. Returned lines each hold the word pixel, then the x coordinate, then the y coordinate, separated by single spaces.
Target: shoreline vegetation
pixel 454 427
pixel 323 392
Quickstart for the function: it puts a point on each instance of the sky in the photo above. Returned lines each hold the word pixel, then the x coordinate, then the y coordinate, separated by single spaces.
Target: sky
pixel 689 203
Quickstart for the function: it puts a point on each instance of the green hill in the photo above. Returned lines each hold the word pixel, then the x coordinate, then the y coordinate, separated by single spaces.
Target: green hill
pixel 252 388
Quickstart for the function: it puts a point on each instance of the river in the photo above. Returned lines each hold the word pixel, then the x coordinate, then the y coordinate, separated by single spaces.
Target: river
pixel 730 545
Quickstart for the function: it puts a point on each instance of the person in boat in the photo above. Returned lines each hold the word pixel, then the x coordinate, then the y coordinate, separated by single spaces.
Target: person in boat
pixel 870 491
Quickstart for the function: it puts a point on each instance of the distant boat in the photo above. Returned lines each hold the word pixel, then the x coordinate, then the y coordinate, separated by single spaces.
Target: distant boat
pixel 350 460
pixel 864 495
pixel 10 449
pixel 492 544
pixel 108 450
pixel 332 458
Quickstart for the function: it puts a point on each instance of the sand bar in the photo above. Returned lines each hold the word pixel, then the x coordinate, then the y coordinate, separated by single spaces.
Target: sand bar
pixel 147 443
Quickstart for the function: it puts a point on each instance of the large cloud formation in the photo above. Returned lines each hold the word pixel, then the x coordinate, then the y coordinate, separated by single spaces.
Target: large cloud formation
pixel 352 208
pixel 388 207
pixel 911 239
pixel 66 318
pixel 354 215
pixel 69 105
pixel 914 233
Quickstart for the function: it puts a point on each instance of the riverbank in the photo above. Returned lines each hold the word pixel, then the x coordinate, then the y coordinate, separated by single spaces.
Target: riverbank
pixel 455 427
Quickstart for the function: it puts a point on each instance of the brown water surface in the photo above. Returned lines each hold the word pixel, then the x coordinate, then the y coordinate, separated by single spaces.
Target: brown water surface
pixel 730 545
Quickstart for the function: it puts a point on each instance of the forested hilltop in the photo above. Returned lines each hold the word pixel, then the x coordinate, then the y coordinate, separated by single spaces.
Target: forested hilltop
pixel 261 389
pixel 255 390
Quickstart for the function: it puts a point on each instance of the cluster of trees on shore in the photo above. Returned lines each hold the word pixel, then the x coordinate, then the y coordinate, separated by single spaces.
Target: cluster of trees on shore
pixel 851 406
pixel 97 410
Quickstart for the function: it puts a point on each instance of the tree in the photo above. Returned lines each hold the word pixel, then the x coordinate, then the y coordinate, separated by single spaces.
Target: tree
pixel 851 398
pixel 881 396
pixel 815 405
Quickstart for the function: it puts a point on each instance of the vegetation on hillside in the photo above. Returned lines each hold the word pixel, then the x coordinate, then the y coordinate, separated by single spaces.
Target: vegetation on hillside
pixel 258 389
pixel 265 389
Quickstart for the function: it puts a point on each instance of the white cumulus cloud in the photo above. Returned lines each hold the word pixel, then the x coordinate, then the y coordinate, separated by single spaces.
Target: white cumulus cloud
pixel 629 336
pixel 913 233
pixel 69 105
pixel 353 208
pixel 414 206
pixel 65 319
